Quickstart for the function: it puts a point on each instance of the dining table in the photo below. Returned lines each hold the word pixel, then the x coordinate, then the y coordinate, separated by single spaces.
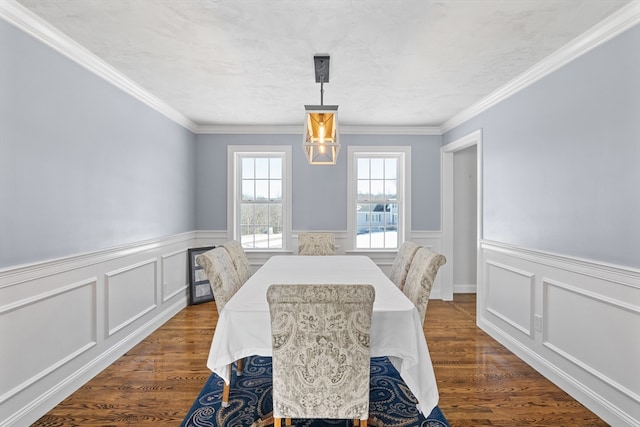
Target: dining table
pixel 244 325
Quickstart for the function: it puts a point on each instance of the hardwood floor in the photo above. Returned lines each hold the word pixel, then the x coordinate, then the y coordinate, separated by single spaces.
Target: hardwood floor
pixel 480 382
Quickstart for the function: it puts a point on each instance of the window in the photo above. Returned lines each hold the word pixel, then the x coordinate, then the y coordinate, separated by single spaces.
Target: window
pixel 379 202
pixel 259 193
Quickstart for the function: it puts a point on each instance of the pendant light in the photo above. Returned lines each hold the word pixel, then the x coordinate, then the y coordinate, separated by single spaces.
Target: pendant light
pixel 320 141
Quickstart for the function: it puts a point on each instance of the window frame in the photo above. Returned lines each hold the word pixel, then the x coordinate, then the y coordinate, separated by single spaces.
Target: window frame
pixel 403 153
pixel 235 154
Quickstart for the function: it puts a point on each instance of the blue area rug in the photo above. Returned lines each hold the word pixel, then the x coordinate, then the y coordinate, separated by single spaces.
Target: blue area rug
pixel 390 400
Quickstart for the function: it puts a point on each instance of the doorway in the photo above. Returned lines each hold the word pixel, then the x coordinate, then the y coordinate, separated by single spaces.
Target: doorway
pixel 461 214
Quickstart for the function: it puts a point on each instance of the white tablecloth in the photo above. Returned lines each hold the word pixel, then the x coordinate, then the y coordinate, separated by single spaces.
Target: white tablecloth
pixel 244 327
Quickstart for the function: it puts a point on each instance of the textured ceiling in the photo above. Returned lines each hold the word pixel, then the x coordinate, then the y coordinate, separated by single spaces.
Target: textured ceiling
pixel 393 62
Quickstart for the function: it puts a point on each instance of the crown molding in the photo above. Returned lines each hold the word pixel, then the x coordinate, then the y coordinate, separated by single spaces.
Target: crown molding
pixel 27 21
pixel 390 130
pixel 615 24
pixel 21 17
pixel 298 129
pixel 249 129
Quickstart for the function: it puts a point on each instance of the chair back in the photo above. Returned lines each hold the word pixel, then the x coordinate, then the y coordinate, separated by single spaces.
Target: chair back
pixel 221 273
pixel 320 337
pixel 239 259
pixel 401 263
pixel 316 244
pixel 422 273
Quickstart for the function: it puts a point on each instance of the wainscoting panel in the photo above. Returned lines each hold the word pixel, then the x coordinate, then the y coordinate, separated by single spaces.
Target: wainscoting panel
pixel 29 355
pixel 175 274
pixel 131 292
pixel 63 321
pixel 575 321
pixel 613 344
pixel 509 295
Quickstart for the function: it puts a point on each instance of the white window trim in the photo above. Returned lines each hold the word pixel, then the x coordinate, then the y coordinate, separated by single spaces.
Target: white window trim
pixel 233 174
pixel 404 191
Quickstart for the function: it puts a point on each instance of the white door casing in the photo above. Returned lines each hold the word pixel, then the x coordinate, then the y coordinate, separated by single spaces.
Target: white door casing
pixel 447 153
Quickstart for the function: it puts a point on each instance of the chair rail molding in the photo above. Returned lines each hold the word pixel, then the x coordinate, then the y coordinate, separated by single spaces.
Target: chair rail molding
pixel 120 295
pixel 569 318
pixel 431 239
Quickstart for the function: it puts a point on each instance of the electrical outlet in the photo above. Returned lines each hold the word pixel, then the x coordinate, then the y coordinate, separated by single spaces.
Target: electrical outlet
pixel 537 322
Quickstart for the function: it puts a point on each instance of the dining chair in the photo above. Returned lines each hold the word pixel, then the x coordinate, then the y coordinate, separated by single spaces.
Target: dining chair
pixel 422 273
pixel 401 263
pixel 239 259
pixel 225 282
pixel 316 244
pixel 222 275
pixel 320 358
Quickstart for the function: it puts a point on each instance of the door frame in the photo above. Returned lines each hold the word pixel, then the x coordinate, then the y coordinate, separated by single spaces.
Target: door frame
pixel 447 152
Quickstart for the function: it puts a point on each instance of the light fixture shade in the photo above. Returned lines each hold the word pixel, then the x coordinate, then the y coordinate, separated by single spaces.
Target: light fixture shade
pixel 320 141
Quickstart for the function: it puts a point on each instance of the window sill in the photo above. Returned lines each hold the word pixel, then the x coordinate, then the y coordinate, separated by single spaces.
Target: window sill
pixel 371 251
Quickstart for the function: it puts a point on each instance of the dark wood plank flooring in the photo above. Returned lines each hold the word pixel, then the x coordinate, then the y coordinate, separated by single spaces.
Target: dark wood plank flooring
pixel 480 382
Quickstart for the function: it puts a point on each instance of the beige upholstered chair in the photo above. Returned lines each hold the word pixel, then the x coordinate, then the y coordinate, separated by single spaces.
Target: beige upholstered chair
pixel 401 263
pixel 316 244
pixel 422 273
pixel 225 283
pixel 239 259
pixel 222 275
pixel 320 336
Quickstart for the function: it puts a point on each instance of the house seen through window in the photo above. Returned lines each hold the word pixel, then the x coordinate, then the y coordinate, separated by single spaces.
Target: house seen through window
pixel 378 205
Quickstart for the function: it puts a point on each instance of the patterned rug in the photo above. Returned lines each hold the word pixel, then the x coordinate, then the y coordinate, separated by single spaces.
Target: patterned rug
pixel 390 401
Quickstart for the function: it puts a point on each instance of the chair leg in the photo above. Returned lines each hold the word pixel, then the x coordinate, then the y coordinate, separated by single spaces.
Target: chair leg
pixel 374 422
pixel 225 391
pixel 287 421
pixel 225 395
pixel 239 366
pixel 277 422
pixel 363 423
pixel 268 420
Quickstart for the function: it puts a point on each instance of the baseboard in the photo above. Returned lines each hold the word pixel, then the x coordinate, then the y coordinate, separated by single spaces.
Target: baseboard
pixel 47 401
pixel 464 289
pixel 119 296
pixel 575 321
pixel 595 402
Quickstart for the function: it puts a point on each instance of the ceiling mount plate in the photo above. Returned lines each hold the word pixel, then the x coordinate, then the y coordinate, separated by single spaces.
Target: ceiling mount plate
pixel 321 63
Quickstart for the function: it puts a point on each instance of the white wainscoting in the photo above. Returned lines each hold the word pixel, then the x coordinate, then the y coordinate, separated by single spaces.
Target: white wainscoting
pixel 575 321
pixel 509 295
pixel 63 321
pixel 384 259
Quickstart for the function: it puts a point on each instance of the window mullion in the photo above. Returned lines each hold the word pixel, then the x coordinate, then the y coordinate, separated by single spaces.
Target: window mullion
pixel 378 223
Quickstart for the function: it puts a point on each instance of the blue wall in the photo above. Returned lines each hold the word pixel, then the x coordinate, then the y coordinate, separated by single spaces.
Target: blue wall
pixel 562 158
pixel 83 165
pixel 319 193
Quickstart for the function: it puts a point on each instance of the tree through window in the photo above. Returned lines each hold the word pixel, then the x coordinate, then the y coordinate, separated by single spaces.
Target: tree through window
pixel 260 194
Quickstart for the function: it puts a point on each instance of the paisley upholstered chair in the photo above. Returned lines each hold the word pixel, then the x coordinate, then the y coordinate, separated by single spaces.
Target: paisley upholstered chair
pixel 320 336
pixel 239 259
pixel 316 244
pixel 422 273
pixel 222 275
pixel 401 263
pixel 225 282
